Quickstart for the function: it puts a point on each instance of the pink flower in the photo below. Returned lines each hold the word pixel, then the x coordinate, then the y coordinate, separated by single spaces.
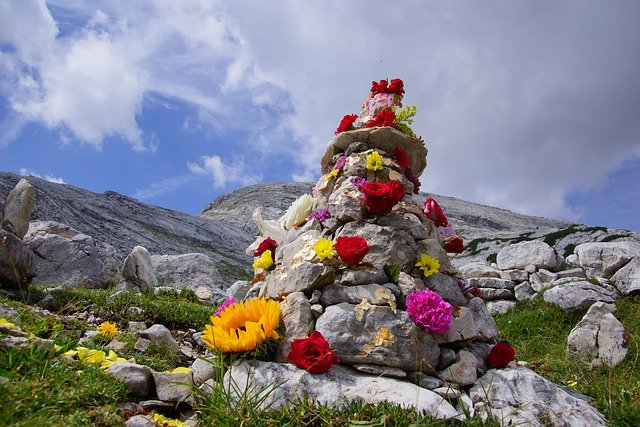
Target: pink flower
pixel 428 309
pixel 320 215
pixel 434 212
pixel 227 302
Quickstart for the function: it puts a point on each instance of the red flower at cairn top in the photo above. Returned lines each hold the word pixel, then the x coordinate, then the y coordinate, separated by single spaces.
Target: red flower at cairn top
pixel 380 198
pixel 351 250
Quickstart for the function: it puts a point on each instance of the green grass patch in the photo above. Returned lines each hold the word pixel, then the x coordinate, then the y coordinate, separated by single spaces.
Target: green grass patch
pixel 552 238
pixel 539 333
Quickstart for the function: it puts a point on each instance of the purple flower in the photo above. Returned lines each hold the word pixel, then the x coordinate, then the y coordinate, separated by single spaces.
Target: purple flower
pixel 428 309
pixel 358 182
pixel 227 302
pixel 320 215
pixel 414 179
pixel 342 160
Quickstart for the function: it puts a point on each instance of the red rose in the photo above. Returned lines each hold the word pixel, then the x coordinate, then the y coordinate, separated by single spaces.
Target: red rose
pixel 380 198
pixel 401 157
pixel 351 250
pixel 267 244
pixel 346 123
pixel 379 87
pixel 501 355
pixel 454 245
pixel 385 117
pixel 396 86
pixel 312 353
pixel 434 212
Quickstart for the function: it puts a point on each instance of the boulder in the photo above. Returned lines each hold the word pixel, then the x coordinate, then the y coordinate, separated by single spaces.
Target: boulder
pixel 138 269
pixel 533 252
pixel 16 209
pixel 579 295
pixel 627 279
pixel 500 307
pixel 603 259
pixel 160 334
pixel 138 378
pixel 522 397
pixel 67 257
pixel 478 269
pixel 172 387
pixel 17 264
pixel 463 371
pixel 188 271
pixel 295 311
pixel 598 338
pixel 301 277
pixel 377 335
pixel 280 383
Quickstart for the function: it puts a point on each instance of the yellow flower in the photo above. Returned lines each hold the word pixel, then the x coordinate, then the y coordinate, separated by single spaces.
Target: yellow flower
pixel 324 248
pixel 180 370
pixel 264 261
pixel 243 326
pixel 108 329
pixel 374 161
pixel 163 421
pixel 428 265
pixel 332 174
pixel 4 322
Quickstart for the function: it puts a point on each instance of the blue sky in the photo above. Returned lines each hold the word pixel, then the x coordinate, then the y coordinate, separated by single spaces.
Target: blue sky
pixel 529 106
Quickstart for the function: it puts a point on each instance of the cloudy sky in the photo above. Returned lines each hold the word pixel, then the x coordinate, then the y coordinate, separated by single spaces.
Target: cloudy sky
pixel 533 106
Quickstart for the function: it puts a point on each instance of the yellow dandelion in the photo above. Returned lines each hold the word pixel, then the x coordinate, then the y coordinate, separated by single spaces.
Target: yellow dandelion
pixel 108 329
pixel 324 248
pixel 374 161
pixel 264 261
pixel 428 265
pixel 243 326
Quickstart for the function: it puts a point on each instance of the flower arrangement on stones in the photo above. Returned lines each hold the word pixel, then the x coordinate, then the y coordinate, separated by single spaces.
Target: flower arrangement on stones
pixel 364 278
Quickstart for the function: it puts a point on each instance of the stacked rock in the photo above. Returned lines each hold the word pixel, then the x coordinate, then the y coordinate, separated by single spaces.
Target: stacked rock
pixel 368 270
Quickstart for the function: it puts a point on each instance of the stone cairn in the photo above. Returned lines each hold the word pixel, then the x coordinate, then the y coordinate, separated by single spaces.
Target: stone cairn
pixel 361 309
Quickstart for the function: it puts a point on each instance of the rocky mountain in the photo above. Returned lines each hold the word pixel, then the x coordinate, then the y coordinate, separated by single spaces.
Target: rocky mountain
pixel 225 227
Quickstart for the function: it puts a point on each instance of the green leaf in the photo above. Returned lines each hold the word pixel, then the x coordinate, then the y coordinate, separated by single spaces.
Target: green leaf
pixel 392 272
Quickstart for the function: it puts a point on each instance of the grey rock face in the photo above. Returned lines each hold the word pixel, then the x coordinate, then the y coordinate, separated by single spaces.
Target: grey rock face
pixel 138 269
pixel 374 293
pixel 188 271
pixel 603 259
pixel 16 210
pixel 375 335
pixel 627 279
pixel 598 338
pixel 65 256
pixel 522 397
pixel 447 287
pixel 295 311
pixel 203 370
pixel 338 386
pixel 500 307
pixel 160 334
pixel 138 378
pixel 579 295
pixel 463 371
pixel 478 269
pixel 172 387
pixel 524 291
pixel 17 263
pixel 533 252
pixel 303 277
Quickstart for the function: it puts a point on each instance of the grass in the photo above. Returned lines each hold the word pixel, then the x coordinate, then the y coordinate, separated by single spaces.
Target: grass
pixel 539 333
pixel 39 389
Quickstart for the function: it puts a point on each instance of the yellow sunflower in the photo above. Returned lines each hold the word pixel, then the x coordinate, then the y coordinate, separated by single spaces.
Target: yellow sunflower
pixel 428 265
pixel 243 326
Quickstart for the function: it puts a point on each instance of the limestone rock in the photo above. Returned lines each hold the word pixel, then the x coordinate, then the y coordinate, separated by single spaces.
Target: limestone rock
pixel 447 287
pixel 463 371
pixel 140 421
pixel 138 269
pixel 515 275
pixel 17 263
pixel 297 319
pixel 487 328
pixel 533 252
pixel 478 269
pixel 500 307
pixel 374 293
pixel 336 387
pixel 203 370
pixel 376 335
pixel 302 277
pixel 67 257
pixel 491 282
pixel 16 209
pixel 160 334
pixel 603 259
pixel 363 275
pixel 138 378
pixel 238 290
pixel 579 295
pixel 522 397
pixel 598 338
pixel 524 292
pixel 627 279
pixel 573 272
pixel 496 294
pixel 188 271
pixel 542 279
pixel 172 387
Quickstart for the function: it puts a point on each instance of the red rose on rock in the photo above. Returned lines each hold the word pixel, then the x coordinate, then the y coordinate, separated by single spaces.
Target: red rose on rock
pixel 384 118
pixel 312 353
pixel 379 87
pixel 266 244
pixel 351 250
pixel 396 86
pixel 346 123
pixel 401 157
pixel 454 245
pixel 434 212
pixel 501 355
pixel 380 198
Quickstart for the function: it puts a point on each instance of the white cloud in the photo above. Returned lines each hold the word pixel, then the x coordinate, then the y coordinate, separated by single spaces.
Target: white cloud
pixel 165 186
pixel 223 174
pixel 46 177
